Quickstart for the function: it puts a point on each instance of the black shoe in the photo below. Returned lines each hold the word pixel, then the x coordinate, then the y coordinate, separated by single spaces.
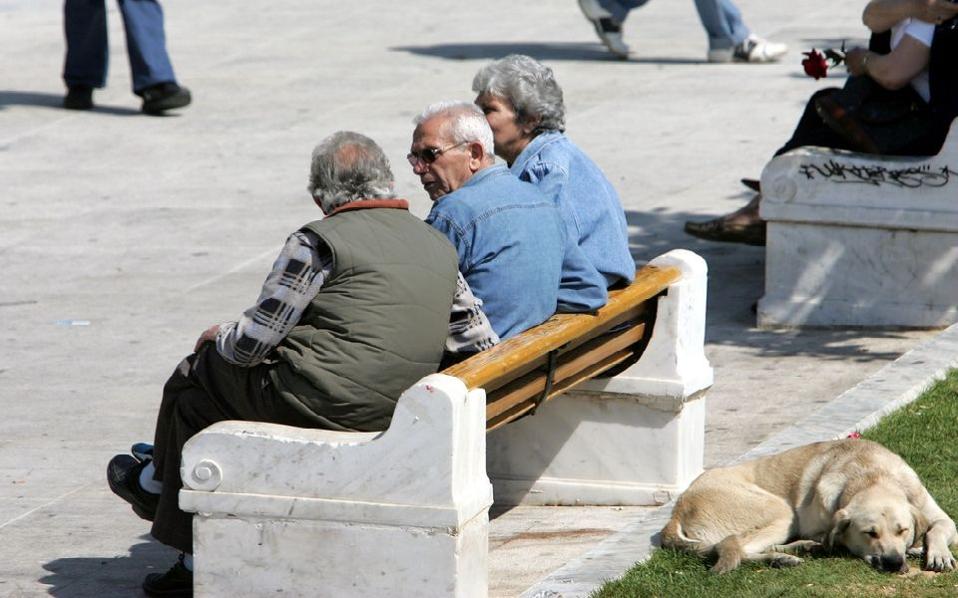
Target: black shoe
pixel 177 582
pixel 719 229
pixel 157 99
pixel 123 475
pixel 753 184
pixel 79 97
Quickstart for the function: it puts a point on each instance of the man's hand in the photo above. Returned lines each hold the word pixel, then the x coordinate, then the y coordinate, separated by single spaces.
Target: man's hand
pixel 208 335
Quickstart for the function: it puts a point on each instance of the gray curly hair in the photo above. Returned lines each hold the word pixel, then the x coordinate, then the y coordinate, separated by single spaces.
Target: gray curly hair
pixel 348 166
pixel 529 85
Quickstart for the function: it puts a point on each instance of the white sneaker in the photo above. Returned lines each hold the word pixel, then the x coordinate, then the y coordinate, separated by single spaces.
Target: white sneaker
pixel 608 30
pixel 754 50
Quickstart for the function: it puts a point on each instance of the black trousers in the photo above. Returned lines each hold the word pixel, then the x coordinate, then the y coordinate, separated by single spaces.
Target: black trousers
pixel 203 390
pixel 812 130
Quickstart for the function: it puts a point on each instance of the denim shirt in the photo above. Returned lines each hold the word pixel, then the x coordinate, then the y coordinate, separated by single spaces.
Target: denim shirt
pixel 514 251
pixel 586 199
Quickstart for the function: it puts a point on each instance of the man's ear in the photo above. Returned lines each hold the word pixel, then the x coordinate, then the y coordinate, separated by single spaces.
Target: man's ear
pixel 477 156
pixel 920 526
pixel 840 523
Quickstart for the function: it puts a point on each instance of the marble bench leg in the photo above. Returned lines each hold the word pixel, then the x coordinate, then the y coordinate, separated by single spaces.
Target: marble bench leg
pixel 636 439
pixel 297 512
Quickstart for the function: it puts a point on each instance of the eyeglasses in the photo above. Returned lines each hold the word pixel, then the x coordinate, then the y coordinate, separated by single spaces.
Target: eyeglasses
pixel 430 154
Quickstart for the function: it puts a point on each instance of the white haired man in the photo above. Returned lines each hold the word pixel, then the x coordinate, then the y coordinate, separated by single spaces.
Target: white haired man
pixel 511 240
pixel 370 263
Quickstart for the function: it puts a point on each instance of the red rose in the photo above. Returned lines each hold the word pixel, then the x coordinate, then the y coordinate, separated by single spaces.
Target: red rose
pixel 815 65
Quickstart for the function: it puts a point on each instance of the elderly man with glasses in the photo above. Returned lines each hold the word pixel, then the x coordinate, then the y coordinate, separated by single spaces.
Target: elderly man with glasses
pixel 513 248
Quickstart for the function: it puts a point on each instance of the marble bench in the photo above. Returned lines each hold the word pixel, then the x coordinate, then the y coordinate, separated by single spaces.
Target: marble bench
pixel 861 240
pixel 404 512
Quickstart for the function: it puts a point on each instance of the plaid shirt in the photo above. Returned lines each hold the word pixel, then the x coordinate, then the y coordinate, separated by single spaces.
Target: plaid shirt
pixel 298 274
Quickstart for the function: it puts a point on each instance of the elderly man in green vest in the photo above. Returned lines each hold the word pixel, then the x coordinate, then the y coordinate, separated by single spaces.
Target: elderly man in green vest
pixel 355 310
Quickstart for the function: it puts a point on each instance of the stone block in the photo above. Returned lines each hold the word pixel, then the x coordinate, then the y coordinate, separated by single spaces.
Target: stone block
pixel 861 240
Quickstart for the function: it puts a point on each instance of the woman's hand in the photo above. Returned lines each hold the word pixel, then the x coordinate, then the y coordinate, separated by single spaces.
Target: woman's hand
pixel 855 60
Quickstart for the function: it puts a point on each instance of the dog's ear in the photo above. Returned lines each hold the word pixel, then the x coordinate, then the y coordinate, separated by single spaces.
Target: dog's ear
pixel 920 526
pixel 840 523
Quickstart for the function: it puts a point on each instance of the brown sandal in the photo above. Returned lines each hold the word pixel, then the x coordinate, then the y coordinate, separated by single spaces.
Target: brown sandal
pixel 720 229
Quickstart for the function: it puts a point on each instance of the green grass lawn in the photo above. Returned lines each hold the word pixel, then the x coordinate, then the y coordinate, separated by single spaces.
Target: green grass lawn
pixel 925 434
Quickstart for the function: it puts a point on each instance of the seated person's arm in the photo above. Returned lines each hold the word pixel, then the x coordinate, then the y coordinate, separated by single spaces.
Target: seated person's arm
pixel 893 70
pixel 582 288
pixel 469 328
pixel 881 15
pixel 297 275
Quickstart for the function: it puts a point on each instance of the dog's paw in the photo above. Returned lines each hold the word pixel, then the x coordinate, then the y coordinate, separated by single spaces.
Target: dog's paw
pixel 785 560
pixel 939 560
pixel 724 566
pixel 915 552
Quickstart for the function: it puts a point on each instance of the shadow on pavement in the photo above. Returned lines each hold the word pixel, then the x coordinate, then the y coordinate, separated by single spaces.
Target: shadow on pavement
pixel 94 577
pixel 539 51
pixel 736 281
pixel 51 100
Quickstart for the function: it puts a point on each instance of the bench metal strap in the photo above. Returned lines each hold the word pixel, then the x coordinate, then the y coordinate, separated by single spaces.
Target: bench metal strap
pixel 551 360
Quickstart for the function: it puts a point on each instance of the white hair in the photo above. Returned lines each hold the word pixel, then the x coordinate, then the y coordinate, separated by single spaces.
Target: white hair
pixel 348 166
pixel 467 123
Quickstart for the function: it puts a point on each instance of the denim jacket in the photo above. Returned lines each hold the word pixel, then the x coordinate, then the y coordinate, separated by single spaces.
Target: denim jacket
pixel 514 251
pixel 587 201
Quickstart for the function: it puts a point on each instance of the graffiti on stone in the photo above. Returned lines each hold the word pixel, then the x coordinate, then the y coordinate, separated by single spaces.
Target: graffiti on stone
pixel 909 178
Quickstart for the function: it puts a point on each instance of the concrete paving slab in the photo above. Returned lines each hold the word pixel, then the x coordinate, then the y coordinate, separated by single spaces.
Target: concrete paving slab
pixel 150 229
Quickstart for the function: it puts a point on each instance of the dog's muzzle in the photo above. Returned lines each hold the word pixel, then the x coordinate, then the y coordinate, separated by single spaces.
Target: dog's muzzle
pixel 894 563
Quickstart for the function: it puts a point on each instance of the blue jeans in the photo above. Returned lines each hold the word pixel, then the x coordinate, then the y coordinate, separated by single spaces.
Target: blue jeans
pixel 87 51
pixel 721 19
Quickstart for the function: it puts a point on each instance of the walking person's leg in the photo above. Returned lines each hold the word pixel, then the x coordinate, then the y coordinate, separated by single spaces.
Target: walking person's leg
pixel 607 17
pixel 87 56
pixel 730 39
pixel 723 23
pixel 152 71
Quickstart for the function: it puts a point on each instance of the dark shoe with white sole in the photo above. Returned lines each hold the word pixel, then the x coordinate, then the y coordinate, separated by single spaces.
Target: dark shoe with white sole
pixel 123 476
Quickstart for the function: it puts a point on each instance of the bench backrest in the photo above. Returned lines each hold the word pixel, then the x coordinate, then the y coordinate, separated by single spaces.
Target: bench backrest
pixel 565 350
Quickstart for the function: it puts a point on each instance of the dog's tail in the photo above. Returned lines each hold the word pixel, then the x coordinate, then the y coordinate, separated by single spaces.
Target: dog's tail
pixel 672 537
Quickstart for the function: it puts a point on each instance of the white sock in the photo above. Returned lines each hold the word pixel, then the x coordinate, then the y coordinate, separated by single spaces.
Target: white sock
pixel 146 479
pixel 188 561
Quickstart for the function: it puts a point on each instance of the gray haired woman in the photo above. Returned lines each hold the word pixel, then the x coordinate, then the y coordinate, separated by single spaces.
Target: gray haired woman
pixel 523 104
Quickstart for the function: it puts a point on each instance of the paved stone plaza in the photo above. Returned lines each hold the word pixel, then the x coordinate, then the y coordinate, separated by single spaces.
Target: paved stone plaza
pixel 122 236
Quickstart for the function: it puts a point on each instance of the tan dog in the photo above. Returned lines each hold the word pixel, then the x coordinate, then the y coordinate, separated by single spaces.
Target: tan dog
pixel 852 493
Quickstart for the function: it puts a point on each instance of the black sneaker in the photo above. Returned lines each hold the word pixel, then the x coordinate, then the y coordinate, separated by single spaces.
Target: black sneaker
pixel 79 97
pixel 123 476
pixel 177 582
pixel 157 99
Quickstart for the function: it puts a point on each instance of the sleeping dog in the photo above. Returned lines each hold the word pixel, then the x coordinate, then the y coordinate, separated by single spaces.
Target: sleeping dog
pixel 852 493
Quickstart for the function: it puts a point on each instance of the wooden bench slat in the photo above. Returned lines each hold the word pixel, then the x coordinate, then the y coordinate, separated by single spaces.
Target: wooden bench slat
pixel 531 385
pixel 523 353
pixel 524 407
